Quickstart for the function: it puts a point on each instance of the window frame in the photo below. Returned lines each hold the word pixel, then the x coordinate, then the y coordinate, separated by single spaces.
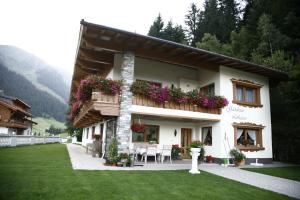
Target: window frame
pixel 246 85
pixel 145 135
pixel 249 126
pixel 205 89
pixel 158 84
pixel 210 127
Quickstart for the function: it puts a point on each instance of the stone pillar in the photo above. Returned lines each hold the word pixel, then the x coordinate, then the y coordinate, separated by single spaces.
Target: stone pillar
pixel 124 120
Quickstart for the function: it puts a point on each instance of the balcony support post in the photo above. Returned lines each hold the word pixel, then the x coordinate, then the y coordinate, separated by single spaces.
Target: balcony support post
pixel 124 120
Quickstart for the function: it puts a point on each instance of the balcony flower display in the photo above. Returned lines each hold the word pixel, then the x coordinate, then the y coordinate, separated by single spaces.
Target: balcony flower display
pixel 87 85
pixel 75 108
pixel 161 95
pixel 138 127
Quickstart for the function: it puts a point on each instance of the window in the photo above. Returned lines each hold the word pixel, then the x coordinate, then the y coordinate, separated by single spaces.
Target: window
pixel 151 134
pixel 208 90
pixel 93 131
pixel 87 133
pixel 248 136
pixel 246 93
pixel 150 82
pixel 207 136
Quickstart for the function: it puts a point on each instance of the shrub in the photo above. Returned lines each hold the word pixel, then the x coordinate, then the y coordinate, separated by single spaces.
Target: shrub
pixel 113 151
pixel 237 155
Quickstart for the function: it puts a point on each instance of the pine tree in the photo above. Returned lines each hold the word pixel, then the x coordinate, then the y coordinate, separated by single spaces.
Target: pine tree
pixel 229 19
pixel 157 27
pixel 173 33
pixel 209 19
pixel 192 21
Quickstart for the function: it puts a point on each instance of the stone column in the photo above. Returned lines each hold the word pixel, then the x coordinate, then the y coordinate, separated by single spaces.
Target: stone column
pixel 124 120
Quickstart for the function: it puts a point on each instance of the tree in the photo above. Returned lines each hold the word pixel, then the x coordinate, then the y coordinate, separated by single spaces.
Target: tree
pixel 209 19
pixel 210 42
pixel 173 33
pixel 157 27
pixel 229 19
pixel 192 20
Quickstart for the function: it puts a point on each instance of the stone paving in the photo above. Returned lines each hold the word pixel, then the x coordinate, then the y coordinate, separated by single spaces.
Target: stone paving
pixel 82 161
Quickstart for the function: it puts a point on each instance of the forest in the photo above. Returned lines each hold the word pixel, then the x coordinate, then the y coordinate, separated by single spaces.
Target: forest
pixel 265 32
pixel 16 85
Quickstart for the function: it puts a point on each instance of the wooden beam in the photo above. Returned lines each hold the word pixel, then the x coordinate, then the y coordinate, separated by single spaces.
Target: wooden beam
pixel 99 56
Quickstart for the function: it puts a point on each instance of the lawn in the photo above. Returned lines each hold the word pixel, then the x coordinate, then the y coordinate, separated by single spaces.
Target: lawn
pixel 292 172
pixel 44 172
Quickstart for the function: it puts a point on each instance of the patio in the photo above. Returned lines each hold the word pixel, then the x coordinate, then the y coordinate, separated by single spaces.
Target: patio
pixel 83 161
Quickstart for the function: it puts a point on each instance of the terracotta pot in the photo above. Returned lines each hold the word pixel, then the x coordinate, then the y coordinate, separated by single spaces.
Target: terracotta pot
pixel 241 163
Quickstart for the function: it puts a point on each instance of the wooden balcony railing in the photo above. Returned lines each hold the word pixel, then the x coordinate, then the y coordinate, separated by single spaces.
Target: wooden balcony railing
pixel 142 101
pixel 97 108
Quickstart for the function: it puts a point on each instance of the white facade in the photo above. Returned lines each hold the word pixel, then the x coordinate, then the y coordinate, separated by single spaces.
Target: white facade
pixel 188 79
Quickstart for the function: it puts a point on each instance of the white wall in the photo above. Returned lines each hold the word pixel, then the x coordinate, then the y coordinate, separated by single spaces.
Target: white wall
pixel 151 70
pixel 166 131
pixel 3 130
pixel 257 115
pixel 207 77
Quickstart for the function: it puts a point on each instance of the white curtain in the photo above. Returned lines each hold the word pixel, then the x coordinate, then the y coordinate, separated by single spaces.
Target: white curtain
pixel 239 133
pixel 252 135
pixel 204 133
pixel 250 95
pixel 239 93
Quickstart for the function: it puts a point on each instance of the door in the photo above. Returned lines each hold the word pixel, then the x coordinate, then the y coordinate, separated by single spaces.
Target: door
pixel 186 140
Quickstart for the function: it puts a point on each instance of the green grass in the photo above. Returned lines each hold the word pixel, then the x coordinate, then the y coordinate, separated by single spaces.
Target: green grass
pixel 44 172
pixel 292 172
pixel 44 123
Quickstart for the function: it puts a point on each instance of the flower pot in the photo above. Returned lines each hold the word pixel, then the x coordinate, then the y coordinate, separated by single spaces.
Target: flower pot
pixel 240 163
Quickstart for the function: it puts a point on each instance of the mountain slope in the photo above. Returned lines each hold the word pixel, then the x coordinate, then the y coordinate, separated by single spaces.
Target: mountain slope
pixel 40 74
pixel 27 77
pixel 42 104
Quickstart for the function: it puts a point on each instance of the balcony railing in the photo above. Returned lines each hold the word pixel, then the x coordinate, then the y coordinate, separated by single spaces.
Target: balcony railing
pixel 97 108
pixel 142 101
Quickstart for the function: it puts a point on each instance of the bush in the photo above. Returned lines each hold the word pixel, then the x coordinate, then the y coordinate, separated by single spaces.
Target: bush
pixel 237 155
pixel 113 151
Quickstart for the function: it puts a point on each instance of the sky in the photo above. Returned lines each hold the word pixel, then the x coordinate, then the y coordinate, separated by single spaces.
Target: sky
pixel 49 29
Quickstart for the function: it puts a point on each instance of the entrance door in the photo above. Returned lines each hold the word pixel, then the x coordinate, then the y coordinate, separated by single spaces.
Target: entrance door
pixel 186 140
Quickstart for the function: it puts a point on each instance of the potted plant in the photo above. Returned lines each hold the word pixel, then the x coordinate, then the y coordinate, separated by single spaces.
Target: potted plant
pixel 113 157
pixel 196 146
pixel 138 127
pixel 209 159
pixel 239 157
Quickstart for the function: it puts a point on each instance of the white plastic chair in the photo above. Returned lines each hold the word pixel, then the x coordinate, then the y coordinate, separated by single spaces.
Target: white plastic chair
pixel 151 151
pixel 166 151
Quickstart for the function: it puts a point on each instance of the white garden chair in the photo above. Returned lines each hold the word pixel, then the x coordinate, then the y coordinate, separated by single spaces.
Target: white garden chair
pixel 166 152
pixel 151 151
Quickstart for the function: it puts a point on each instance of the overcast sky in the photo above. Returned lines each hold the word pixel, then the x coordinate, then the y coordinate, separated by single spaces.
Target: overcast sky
pixel 49 28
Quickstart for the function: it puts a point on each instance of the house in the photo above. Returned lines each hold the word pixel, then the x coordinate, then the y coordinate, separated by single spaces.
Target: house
pixel 14 116
pixel 243 121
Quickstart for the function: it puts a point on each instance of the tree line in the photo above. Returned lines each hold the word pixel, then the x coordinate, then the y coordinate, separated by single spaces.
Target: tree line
pixel 264 32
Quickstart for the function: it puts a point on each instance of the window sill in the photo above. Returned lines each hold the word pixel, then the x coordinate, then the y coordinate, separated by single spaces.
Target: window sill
pixel 246 104
pixel 250 148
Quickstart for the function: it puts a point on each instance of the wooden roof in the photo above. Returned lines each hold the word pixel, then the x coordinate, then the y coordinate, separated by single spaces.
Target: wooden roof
pixel 97 45
pixel 15 108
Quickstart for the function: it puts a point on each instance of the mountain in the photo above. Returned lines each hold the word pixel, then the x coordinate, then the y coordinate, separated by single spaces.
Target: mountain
pixel 27 77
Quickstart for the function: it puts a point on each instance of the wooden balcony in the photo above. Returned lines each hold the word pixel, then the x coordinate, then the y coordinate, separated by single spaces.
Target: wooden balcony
pixel 101 106
pixel 142 101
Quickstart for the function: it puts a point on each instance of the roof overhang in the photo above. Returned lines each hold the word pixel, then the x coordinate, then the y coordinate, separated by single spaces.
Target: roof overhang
pixel 97 45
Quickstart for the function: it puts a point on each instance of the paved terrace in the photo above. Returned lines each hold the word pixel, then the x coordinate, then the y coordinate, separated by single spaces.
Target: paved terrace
pixel 82 161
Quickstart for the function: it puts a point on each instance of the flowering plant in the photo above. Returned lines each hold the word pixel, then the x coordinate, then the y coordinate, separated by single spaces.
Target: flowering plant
pixel 75 108
pixel 160 95
pixel 87 85
pixel 138 127
pixel 209 158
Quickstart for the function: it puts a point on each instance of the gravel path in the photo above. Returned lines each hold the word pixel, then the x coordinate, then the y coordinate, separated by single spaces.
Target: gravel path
pixel 82 161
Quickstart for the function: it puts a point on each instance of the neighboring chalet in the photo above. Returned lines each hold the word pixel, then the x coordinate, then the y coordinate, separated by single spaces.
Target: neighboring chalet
pixel 242 120
pixel 14 116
